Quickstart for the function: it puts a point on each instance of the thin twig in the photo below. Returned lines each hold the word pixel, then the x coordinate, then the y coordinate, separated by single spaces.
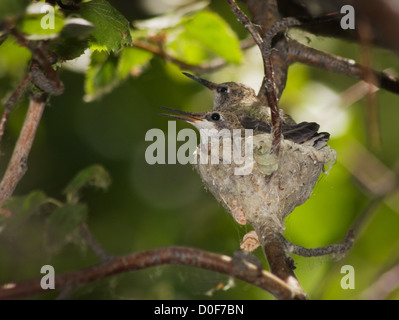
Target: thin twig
pixel 265 46
pixel 18 162
pixel 41 71
pixel 339 248
pixel 245 22
pixel 11 101
pixel 269 82
pixel 245 271
pixel 155 50
pixel 209 66
pixel 93 244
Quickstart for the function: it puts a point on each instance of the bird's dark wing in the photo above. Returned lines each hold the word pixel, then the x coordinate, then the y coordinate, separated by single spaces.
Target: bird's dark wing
pixel 298 133
pixel 320 140
pixel 305 132
pixel 255 124
pixel 301 132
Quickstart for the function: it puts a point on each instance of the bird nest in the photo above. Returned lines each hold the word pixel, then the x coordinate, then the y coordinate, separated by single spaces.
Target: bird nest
pixel 274 187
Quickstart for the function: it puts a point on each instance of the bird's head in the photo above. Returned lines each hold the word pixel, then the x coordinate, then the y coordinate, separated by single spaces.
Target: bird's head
pixel 206 120
pixel 228 95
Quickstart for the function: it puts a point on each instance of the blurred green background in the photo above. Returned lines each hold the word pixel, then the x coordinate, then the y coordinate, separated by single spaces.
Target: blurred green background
pixel 150 206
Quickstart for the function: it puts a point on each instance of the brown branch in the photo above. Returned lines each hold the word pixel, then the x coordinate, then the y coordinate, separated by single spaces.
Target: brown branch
pixel 11 101
pixel 337 249
pixel 265 46
pixel 210 66
pixel 245 22
pixel 161 53
pixel 263 13
pixel 274 247
pixel 18 162
pixel 44 77
pixel 244 270
pixel 298 52
pixel 41 72
pixel 269 82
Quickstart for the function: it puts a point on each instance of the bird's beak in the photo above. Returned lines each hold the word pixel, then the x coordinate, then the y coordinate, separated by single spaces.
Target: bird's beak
pixel 182 115
pixel 210 85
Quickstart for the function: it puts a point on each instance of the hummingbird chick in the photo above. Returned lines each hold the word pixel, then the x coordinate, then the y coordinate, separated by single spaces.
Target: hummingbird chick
pixel 229 95
pixel 240 99
pixel 224 119
pixel 218 120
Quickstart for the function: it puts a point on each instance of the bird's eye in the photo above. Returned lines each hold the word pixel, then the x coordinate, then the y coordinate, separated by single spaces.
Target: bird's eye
pixel 223 89
pixel 215 116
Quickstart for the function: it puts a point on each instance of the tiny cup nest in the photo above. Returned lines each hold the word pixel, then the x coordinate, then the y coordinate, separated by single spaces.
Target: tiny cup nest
pixel 273 186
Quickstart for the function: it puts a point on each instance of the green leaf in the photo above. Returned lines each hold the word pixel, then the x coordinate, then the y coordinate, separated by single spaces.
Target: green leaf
pixel 77 28
pixel 12 8
pixel 95 176
pixel 132 61
pixel 13 59
pixel 62 224
pixel 41 22
pixel 188 49
pixel 68 48
pixel 111 28
pixel 73 39
pixel 171 19
pixel 107 71
pixel 101 77
pixel 22 208
pixel 215 34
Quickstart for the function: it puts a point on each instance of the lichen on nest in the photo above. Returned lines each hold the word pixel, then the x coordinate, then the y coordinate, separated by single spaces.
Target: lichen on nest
pixel 274 187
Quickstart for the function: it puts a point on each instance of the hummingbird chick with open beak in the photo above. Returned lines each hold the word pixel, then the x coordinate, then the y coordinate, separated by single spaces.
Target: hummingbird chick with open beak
pixel 240 99
pixel 218 120
pixel 304 132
